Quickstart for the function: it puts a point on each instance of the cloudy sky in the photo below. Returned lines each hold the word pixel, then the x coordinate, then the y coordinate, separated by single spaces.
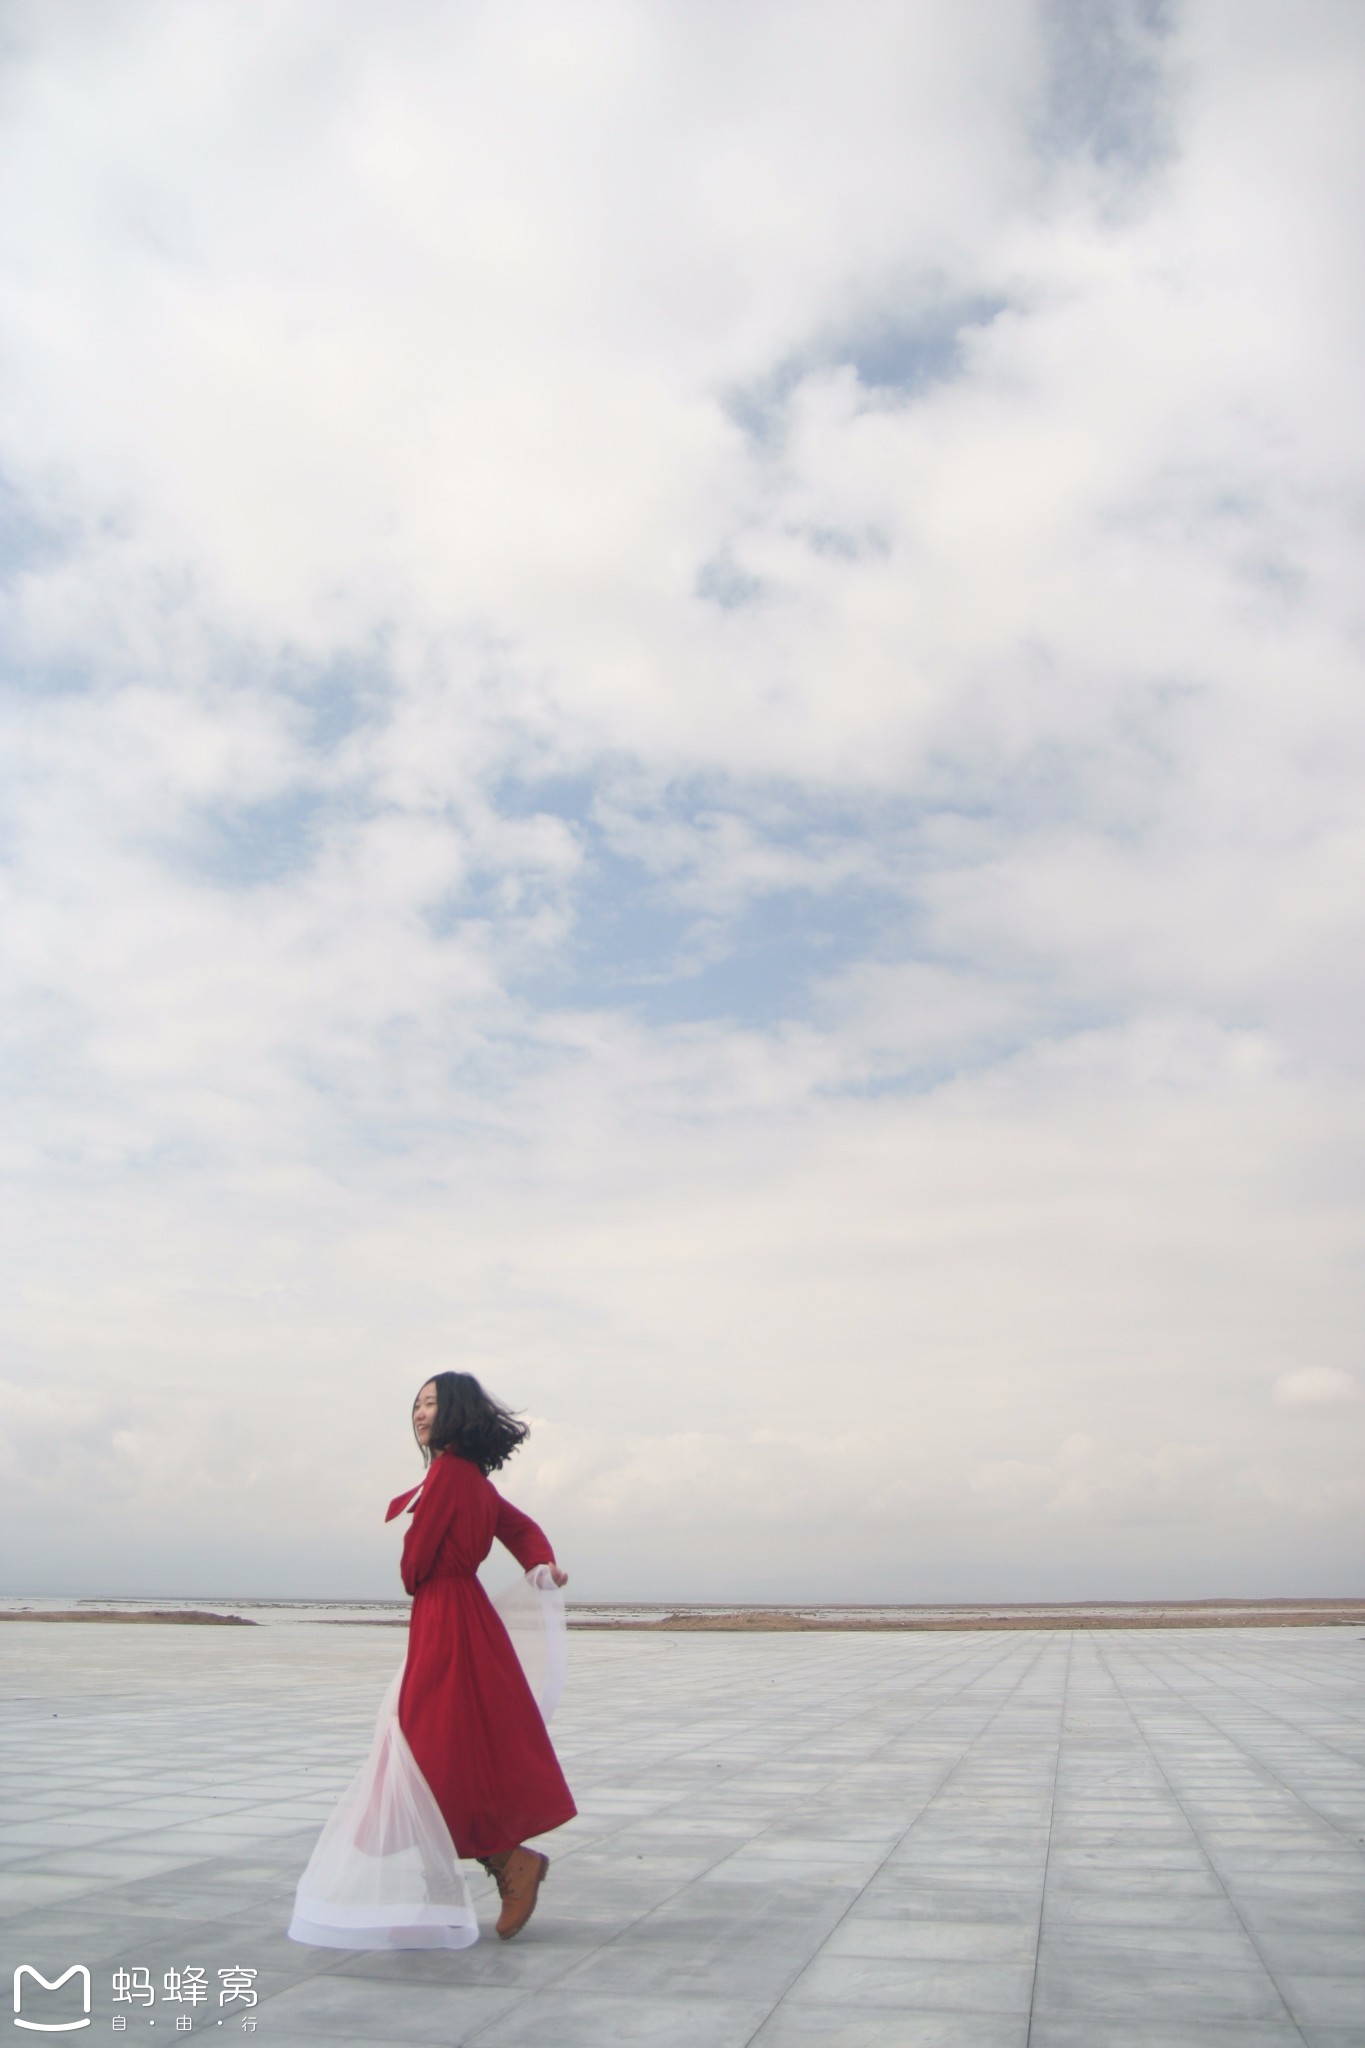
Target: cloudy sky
pixel 682 723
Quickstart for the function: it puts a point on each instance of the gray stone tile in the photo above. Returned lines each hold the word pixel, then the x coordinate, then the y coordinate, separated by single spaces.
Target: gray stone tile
pixel 645 1969
pixel 580 2019
pixel 1179 1858
pixel 675 1863
pixel 915 1984
pixel 1191 1883
pixel 968 1874
pixel 944 1830
pixel 866 1934
pixel 756 1863
pixel 912 1892
pixel 58 1834
pixel 1138 1908
pixel 1309 1950
pixel 89 1928
pixel 1093 2031
pixel 115 1863
pixel 189 1901
pixel 1073 1945
pixel 835 2026
pixel 21 1891
pixel 332 2008
pixel 1343 1867
pixel 1136 1989
pixel 522 1965
pixel 1326 2001
pixel 614 1901
pixel 1274 1887
pixel 1250 1839
pixel 786 1917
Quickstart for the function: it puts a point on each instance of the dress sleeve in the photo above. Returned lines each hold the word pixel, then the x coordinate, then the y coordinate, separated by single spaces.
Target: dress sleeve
pixel 430 1520
pixel 525 1539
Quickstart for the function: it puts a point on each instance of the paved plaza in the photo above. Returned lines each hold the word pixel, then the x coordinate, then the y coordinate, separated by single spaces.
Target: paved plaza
pixel 999 1840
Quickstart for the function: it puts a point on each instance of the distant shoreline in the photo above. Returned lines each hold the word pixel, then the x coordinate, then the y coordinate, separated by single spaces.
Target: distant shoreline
pixel 1257 1614
pixel 718 1618
pixel 1069 1614
pixel 189 1617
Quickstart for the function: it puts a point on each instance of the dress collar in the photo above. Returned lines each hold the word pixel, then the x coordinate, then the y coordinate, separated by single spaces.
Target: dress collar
pixel 404 1500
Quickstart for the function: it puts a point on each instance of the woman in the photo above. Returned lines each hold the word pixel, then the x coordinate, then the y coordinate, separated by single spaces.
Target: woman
pixel 461 1763
pixel 465 1707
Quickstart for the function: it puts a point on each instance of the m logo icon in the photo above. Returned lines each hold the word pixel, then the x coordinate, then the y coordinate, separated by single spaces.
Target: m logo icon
pixel 50 2026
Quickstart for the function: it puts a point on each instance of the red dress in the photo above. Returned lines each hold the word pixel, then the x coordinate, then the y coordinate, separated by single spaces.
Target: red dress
pixel 468 1714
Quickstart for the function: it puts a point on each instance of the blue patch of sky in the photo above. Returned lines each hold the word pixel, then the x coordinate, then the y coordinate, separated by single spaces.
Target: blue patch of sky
pixel 23 677
pixel 970 1055
pixel 248 846
pixel 1105 89
pixel 29 542
pixel 480 899
pixel 896 351
pixel 482 894
pixel 340 703
pixel 639 943
pixel 900 354
pixel 636 946
pixel 570 797
pixel 721 581
pixel 25 538
pixel 636 949
pixel 338 699
pixel 847 544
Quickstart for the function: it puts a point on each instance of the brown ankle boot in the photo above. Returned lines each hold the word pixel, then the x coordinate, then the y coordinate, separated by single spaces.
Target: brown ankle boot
pixel 518 1876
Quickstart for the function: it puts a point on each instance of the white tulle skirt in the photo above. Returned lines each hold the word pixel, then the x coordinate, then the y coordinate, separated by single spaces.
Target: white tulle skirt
pixel 384 1873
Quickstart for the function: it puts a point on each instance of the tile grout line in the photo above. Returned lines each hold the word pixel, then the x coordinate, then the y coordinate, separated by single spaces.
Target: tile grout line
pixel 1051 1822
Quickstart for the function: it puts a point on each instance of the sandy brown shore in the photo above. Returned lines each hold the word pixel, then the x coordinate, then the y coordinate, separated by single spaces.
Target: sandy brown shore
pixel 1109 1614
pixel 193 1617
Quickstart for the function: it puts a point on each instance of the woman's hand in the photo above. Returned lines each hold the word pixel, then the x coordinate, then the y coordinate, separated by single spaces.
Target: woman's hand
pixel 560 1578
pixel 543 1576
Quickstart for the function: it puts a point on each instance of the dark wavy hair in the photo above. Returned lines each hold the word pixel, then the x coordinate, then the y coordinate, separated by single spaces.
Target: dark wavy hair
pixel 471 1423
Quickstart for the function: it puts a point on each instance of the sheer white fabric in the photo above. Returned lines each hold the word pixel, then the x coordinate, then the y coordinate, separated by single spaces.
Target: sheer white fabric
pixel 532 1612
pixel 384 1873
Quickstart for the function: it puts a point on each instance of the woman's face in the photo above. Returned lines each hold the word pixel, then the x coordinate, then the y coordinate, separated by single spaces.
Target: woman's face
pixel 424 1412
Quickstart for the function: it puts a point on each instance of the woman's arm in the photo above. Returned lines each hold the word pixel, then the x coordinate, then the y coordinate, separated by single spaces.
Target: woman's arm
pixel 525 1539
pixel 430 1520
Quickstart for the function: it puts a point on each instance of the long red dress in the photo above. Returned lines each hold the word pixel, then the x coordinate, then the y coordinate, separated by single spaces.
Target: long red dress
pixel 465 1707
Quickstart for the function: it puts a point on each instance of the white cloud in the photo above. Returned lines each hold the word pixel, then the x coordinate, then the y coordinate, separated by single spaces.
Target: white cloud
pixel 1316 1386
